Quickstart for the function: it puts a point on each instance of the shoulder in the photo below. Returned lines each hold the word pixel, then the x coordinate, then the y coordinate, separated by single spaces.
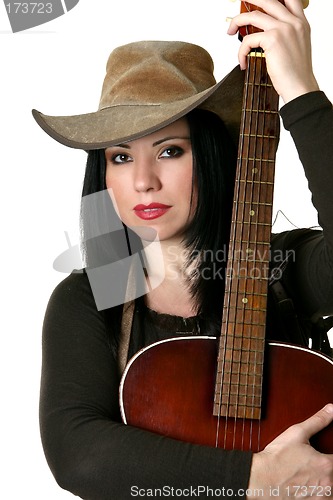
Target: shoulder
pixel 72 312
pixel 72 306
pixel 77 282
pixel 74 290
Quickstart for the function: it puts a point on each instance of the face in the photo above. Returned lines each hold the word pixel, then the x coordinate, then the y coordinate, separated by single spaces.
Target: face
pixel 151 180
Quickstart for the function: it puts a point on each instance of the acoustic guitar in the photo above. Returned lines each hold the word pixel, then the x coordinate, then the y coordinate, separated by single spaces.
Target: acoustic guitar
pixel 237 391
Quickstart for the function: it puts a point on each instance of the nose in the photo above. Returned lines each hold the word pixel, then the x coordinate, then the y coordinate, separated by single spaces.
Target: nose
pixel 146 176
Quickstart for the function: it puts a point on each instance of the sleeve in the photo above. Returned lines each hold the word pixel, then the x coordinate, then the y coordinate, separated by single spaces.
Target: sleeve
pixel 90 452
pixel 309 118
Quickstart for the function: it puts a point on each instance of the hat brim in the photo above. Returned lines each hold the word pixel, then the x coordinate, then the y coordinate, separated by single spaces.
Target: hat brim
pixel 124 123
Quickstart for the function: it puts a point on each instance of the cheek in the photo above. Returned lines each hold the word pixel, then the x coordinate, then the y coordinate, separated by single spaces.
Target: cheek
pixel 186 186
pixel 114 191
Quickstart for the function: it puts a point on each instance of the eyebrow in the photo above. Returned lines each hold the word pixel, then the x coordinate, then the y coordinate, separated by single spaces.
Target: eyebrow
pixel 171 138
pixel 160 141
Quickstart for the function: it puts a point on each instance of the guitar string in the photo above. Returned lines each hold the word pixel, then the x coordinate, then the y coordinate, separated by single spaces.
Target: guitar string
pixel 262 63
pixel 261 177
pixel 245 353
pixel 225 385
pixel 240 314
pixel 249 286
pixel 227 309
pixel 269 177
pixel 242 311
pixel 226 330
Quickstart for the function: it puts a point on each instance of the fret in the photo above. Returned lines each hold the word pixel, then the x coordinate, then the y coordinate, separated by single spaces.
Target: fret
pixel 244 330
pixel 259 203
pixel 266 160
pixel 235 412
pixel 248 381
pixel 255 288
pixel 235 294
pixel 242 379
pixel 245 394
pixel 254 345
pixel 251 261
pixel 236 353
pixel 252 222
pixel 230 323
pixel 236 369
pixel 246 277
pixel 239 400
pixel 253 242
pixel 265 111
pixel 259 136
pixel 254 189
pixel 232 366
pixel 258 85
pixel 230 330
pixel 251 181
pixel 249 231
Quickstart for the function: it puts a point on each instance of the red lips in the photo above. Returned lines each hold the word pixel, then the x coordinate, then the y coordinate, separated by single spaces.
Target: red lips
pixel 151 211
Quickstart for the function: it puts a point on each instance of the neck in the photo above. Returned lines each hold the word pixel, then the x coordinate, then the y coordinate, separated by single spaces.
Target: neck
pixel 168 278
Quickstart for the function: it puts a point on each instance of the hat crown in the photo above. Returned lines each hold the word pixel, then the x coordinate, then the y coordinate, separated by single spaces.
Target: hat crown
pixel 153 72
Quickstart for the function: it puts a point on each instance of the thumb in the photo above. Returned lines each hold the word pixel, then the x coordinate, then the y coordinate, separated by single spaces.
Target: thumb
pixel 318 421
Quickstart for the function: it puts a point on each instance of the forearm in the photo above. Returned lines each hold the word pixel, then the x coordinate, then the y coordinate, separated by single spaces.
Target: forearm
pixel 89 451
pixel 309 118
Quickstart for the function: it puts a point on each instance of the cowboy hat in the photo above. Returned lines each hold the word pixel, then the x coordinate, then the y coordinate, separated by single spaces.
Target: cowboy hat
pixel 147 86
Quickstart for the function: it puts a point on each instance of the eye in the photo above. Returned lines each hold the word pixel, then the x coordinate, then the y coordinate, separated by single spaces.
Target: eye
pixel 120 158
pixel 172 152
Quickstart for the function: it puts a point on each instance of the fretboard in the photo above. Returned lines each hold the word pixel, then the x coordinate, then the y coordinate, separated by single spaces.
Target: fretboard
pixel 238 391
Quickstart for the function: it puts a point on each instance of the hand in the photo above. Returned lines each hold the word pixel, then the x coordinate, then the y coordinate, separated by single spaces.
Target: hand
pixel 285 39
pixel 289 465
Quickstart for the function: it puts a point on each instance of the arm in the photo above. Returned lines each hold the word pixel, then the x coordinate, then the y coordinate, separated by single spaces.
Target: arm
pixel 289 464
pixel 90 452
pixel 309 116
pixel 290 460
pixel 310 121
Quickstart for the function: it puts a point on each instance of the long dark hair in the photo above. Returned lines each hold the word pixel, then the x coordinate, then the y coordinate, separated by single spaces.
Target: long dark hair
pixel 214 161
pixel 214 166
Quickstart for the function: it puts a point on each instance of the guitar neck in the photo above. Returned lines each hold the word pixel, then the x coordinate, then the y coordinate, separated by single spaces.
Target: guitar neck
pixel 241 350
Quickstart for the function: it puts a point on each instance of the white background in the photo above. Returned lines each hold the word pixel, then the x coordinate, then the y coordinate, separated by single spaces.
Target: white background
pixel 58 68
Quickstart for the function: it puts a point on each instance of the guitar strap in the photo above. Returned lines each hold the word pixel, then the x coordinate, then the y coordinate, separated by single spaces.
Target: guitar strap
pixel 125 334
pixel 127 316
pixel 284 304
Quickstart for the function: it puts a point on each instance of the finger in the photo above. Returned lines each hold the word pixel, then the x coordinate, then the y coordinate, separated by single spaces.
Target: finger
pixel 250 42
pixel 318 421
pixel 256 18
pixel 296 7
pixel 272 7
pixel 279 10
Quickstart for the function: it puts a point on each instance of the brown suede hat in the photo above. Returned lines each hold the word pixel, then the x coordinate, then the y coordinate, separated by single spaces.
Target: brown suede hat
pixel 147 86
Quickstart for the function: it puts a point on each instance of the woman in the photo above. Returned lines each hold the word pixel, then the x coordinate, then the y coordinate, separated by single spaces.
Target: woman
pixel 159 162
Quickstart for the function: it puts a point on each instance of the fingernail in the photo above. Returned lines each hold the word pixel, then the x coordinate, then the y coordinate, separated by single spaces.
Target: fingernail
pixel 329 408
pixel 228 19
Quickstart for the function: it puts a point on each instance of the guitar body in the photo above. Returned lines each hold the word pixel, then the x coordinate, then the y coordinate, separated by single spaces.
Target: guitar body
pixel 168 388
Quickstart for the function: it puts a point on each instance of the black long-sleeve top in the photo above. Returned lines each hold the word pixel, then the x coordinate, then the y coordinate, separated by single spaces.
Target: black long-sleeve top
pixel 90 452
